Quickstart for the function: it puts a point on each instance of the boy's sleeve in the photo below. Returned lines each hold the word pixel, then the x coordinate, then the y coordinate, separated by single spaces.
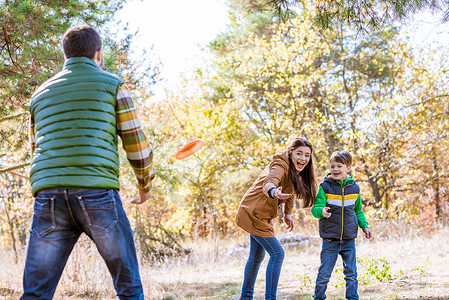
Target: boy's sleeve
pixel 320 203
pixel 363 223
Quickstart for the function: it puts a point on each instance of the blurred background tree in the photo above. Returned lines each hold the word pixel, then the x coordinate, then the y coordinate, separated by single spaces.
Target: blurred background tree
pixel 338 88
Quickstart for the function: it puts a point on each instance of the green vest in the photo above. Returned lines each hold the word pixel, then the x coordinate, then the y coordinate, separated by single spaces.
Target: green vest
pixel 75 129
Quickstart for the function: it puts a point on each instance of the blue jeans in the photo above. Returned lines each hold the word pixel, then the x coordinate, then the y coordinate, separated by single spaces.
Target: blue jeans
pixel 60 217
pixel 258 246
pixel 329 254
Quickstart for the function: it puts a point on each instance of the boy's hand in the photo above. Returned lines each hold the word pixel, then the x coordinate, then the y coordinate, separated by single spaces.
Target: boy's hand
pixel 289 221
pixel 325 213
pixel 368 233
pixel 277 193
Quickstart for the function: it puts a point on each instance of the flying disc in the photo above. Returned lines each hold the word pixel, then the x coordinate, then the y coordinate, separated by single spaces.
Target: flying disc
pixel 189 149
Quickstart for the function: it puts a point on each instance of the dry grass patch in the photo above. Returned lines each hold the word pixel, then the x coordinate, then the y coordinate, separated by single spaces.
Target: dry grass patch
pixel 399 263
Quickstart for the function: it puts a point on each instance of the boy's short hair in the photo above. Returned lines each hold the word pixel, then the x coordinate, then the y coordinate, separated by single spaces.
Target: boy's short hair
pixel 343 157
pixel 82 40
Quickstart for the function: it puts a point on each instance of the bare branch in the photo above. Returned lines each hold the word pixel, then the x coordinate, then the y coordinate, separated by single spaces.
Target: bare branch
pixel 14 167
pixel 19 175
pixel 12 117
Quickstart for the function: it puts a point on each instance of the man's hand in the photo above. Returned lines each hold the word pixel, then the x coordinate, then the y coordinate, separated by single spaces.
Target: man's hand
pixel 289 221
pixel 326 214
pixel 277 193
pixel 143 197
pixel 368 233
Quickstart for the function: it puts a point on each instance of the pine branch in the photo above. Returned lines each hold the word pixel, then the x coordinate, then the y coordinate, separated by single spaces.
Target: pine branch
pixel 362 14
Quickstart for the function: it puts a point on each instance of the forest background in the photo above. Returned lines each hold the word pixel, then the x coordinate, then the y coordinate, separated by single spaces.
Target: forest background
pixel 366 89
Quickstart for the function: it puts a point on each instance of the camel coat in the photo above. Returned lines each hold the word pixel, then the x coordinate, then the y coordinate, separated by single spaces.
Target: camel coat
pixel 257 210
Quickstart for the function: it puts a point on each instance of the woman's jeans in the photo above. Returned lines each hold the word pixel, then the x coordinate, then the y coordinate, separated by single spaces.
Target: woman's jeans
pixel 329 254
pixel 258 246
pixel 60 217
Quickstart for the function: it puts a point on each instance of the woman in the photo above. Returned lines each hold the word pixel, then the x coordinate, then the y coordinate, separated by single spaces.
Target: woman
pixel 289 176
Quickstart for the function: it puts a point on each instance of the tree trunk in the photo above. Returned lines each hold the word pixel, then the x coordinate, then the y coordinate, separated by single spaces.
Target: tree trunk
pixel 436 186
pixel 385 194
pixel 323 108
pixel 300 213
pixel 374 186
pixel 13 238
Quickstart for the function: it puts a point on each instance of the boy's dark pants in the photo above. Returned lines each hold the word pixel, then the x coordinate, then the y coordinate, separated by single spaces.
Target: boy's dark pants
pixel 329 253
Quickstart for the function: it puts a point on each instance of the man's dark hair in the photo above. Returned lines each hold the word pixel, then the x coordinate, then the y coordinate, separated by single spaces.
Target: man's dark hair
pixel 343 157
pixel 81 40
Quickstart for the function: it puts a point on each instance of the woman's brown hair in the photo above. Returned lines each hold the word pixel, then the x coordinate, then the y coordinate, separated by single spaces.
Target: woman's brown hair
pixel 304 182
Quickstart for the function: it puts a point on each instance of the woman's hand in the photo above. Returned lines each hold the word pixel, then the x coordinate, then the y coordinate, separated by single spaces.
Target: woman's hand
pixel 289 221
pixel 277 193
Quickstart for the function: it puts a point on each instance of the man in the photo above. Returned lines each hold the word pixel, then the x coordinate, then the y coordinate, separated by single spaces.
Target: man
pixel 75 119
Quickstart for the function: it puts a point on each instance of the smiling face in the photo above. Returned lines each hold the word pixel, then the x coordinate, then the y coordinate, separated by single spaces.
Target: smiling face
pixel 301 157
pixel 339 170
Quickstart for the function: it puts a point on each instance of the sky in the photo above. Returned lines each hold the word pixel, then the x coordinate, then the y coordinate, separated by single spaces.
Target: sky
pixel 177 30
pixel 427 29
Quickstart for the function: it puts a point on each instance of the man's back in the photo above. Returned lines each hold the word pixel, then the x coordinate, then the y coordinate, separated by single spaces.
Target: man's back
pixel 76 136
pixel 76 117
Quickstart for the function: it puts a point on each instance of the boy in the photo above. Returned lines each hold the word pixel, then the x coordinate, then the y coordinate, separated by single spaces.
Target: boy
pixel 339 208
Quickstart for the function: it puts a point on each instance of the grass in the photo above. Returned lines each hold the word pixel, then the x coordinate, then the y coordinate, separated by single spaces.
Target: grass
pixel 400 263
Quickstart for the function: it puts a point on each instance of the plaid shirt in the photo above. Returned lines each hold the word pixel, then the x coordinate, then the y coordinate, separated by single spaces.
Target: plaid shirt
pixel 138 151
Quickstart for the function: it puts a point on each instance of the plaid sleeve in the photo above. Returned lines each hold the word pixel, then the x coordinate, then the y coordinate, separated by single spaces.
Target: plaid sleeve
pixel 32 136
pixel 138 151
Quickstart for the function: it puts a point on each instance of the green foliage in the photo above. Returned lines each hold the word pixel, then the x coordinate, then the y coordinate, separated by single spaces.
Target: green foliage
pixel 422 270
pixel 305 283
pixel 30 52
pixel 340 278
pixel 371 270
pixel 363 15
pixel 374 270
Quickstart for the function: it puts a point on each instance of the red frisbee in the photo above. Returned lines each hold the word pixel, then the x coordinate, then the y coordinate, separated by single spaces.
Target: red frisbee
pixel 189 149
